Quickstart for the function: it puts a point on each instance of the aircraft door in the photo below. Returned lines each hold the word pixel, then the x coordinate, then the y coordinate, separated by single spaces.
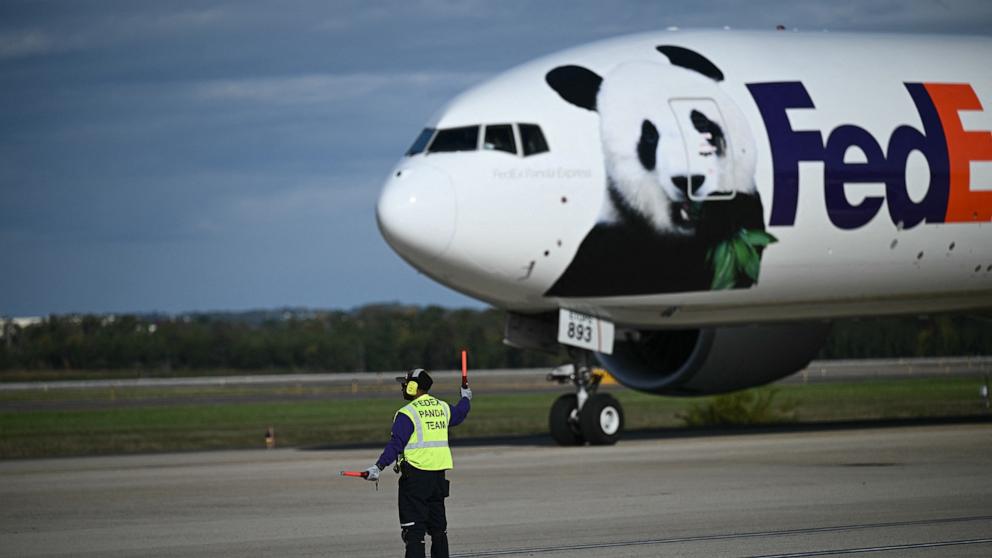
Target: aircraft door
pixel 709 160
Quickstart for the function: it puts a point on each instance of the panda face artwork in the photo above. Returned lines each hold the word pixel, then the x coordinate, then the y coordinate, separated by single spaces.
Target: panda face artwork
pixel 680 177
pixel 699 178
pixel 642 145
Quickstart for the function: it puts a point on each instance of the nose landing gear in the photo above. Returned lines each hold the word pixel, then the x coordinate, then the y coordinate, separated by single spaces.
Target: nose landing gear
pixel 585 416
pixel 563 421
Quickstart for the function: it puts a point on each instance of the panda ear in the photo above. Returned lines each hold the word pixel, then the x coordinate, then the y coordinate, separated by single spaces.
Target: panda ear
pixel 691 60
pixel 575 84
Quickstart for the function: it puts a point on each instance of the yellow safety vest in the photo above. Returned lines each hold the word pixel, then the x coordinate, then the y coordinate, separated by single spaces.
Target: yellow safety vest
pixel 427 449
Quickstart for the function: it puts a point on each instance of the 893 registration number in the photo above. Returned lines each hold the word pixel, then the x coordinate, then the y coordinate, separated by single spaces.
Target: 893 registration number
pixel 588 332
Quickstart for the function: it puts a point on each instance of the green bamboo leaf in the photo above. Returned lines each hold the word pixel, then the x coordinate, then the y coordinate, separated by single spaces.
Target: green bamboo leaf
pixel 747 260
pixel 719 253
pixel 723 267
pixel 753 265
pixel 742 253
pixel 724 280
pixel 757 237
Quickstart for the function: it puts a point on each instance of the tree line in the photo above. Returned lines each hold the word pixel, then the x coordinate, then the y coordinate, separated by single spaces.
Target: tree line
pixel 380 338
pixel 370 338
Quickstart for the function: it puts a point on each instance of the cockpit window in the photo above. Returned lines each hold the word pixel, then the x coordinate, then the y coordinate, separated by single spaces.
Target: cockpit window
pixel 532 139
pixel 421 142
pixel 499 137
pixel 455 139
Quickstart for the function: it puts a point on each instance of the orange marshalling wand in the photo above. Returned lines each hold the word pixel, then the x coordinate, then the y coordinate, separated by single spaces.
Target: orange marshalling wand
pixel 359 474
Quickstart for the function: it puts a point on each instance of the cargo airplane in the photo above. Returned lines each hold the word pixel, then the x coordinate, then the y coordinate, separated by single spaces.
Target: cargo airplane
pixel 691 209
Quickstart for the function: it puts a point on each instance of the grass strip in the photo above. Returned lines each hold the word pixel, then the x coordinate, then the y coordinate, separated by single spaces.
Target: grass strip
pixel 241 425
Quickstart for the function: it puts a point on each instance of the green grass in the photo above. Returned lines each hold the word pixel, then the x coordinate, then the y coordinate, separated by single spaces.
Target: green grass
pixel 54 375
pixel 155 427
pixel 876 399
pixel 191 393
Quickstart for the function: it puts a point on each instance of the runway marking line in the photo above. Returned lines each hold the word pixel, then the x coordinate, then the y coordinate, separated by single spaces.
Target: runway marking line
pixel 875 549
pixel 758 534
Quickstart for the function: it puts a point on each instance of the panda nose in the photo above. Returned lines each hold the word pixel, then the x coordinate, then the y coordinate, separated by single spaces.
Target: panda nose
pixel 682 183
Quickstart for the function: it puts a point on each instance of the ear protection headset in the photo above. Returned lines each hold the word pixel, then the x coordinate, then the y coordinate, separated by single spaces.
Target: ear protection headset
pixel 412 385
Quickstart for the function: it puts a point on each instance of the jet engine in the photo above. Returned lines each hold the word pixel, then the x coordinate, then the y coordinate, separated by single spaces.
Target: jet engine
pixel 712 360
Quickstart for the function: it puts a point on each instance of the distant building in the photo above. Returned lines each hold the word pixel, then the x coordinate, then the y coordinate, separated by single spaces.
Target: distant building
pixel 25 321
pixel 21 322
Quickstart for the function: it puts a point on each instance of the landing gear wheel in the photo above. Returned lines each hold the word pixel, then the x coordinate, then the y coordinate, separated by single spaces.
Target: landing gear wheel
pixel 601 420
pixel 563 421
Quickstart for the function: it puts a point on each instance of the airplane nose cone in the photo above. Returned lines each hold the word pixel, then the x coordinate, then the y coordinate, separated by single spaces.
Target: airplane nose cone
pixel 416 211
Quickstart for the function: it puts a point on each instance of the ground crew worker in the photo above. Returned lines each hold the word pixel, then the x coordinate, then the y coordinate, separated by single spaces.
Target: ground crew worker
pixel 419 445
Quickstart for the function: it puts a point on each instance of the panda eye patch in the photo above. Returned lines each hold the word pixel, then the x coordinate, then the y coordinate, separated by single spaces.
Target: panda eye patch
pixel 712 131
pixel 647 145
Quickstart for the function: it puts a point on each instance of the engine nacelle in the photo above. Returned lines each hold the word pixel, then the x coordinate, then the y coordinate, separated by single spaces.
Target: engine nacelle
pixel 712 360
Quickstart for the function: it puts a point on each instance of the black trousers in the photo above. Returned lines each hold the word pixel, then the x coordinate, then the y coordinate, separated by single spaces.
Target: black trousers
pixel 421 503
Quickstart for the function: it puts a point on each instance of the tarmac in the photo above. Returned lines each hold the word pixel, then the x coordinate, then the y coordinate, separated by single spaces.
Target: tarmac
pixel 901 491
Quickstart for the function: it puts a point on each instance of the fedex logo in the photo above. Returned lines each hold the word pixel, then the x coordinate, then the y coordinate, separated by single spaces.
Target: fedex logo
pixel 948 148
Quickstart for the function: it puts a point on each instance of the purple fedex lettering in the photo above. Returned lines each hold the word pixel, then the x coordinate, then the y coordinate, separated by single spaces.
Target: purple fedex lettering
pixel 931 143
pixel 789 147
pixel 837 173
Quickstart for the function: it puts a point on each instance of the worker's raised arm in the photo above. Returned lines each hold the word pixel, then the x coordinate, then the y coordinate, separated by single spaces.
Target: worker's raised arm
pixel 461 409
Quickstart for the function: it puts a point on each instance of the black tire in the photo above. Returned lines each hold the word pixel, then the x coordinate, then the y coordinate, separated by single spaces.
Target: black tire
pixel 601 420
pixel 564 429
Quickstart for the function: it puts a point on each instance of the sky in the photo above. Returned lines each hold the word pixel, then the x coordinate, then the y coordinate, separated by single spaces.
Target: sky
pixel 200 156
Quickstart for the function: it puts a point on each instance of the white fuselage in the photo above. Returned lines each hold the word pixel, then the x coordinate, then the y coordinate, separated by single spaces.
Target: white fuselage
pixel 503 227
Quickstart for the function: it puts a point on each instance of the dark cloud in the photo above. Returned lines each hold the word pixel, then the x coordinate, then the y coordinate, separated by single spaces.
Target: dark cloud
pixel 183 156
